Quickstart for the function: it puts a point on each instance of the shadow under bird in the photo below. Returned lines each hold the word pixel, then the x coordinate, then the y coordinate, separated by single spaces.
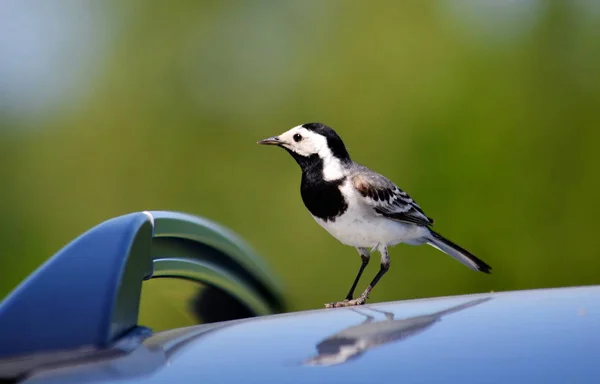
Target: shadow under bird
pixel 358 206
pixel 352 342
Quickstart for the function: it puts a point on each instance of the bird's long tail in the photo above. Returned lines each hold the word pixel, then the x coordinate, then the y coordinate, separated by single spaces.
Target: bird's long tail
pixel 467 258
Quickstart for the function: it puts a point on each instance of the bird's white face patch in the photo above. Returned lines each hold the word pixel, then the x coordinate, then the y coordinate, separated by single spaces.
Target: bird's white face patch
pixel 304 142
pixel 307 143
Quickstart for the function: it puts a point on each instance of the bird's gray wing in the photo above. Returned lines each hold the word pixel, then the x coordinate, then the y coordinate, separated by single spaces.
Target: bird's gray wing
pixel 386 198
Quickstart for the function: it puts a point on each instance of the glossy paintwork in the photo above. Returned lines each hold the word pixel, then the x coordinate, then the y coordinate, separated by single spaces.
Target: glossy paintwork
pixel 540 336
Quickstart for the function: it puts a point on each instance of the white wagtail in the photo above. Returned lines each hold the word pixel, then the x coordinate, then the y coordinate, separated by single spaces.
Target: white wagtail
pixel 358 206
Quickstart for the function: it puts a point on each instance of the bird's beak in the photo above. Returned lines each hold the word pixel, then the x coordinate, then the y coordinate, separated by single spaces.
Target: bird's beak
pixel 271 141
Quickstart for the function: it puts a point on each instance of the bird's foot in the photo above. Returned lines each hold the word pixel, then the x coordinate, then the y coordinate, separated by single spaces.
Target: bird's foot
pixel 347 303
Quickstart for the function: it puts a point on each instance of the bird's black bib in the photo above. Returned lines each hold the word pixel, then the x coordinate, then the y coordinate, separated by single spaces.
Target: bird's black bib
pixel 321 197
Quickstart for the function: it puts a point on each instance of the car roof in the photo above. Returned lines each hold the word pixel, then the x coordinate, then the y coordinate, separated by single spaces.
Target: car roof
pixel 545 335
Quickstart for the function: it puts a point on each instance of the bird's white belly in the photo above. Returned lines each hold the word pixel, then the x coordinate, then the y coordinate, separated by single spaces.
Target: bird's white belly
pixel 361 227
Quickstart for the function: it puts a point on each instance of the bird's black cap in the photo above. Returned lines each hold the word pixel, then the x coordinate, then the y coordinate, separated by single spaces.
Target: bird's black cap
pixel 334 141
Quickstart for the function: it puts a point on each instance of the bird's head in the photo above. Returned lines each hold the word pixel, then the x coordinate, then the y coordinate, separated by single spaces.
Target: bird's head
pixel 311 142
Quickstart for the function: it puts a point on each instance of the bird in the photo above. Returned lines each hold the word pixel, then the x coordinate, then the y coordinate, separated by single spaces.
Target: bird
pixel 358 206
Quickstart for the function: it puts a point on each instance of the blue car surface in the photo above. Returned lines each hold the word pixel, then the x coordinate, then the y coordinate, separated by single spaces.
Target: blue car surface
pixel 75 320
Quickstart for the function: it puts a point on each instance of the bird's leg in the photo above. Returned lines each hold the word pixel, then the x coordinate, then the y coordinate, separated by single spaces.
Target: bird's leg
pixel 385 266
pixel 365 256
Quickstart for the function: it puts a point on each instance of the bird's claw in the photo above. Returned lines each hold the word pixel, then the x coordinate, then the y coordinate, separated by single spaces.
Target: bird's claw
pixel 347 303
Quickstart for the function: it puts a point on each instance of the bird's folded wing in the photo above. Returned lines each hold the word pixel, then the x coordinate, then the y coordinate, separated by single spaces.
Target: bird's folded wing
pixel 389 200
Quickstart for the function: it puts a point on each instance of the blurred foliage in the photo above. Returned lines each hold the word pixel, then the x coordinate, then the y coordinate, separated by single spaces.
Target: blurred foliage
pixel 487 118
pixel 167 303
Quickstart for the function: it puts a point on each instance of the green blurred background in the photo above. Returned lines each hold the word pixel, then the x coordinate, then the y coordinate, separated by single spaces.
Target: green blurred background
pixel 485 112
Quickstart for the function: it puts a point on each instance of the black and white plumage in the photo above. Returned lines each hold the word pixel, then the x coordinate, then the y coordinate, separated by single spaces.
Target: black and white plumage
pixel 358 206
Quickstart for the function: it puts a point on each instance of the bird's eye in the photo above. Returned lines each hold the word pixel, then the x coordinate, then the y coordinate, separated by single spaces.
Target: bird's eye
pixel 297 137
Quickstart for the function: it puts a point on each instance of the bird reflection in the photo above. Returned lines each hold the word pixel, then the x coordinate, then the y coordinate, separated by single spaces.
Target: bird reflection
pixel 354 341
